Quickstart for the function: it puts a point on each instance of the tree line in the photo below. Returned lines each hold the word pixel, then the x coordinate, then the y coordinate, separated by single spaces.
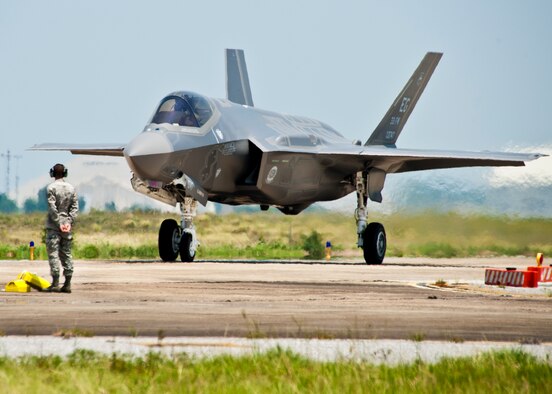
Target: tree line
pixel 30 205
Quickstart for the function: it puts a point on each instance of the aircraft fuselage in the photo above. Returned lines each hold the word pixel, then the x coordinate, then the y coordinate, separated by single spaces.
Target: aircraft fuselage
pixel 245 155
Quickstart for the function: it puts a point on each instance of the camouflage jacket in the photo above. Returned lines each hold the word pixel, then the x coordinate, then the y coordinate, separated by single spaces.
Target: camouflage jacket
pixel 63 204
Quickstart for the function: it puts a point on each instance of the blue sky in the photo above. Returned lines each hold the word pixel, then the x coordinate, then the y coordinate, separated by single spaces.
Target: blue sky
pixel 75 71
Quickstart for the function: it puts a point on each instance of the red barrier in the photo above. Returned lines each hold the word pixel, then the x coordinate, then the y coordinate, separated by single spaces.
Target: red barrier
pixel 511 278
pixel 544 273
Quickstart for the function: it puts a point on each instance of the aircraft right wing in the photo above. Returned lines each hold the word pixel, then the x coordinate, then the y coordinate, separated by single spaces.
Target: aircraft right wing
pixel 83 149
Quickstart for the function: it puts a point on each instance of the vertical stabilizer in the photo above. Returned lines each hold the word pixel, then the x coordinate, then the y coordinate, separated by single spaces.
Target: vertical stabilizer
pixel 394 120
pixel 237 80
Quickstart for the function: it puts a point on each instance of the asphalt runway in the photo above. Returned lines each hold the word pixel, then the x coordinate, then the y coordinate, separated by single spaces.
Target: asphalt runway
pixel 344 299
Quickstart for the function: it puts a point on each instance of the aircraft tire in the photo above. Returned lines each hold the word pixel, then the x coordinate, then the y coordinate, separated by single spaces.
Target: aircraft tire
pixel 168 241
pixel 186 255
pixel 375 243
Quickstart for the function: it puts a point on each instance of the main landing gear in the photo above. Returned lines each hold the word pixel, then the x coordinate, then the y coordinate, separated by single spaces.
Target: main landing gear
pixel 181 239
pixel 371 237
pixel 174 239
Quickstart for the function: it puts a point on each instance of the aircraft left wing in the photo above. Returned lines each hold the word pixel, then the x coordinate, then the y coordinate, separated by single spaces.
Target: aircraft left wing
pixel 83 149
pixel 393 160
pixel 378 161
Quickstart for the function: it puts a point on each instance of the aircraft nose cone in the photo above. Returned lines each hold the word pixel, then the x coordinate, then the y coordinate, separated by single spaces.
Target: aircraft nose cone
pixel 148 155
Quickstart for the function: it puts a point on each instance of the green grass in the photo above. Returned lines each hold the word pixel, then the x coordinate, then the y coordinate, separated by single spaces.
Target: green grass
pixel 261 250
pixel 276 371
pixel 271 235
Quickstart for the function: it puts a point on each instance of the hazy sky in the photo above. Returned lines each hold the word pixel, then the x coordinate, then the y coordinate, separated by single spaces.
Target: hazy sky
pixel 76 71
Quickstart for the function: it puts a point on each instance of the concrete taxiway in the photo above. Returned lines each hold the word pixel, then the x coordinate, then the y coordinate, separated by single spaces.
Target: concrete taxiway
pixel 342 299
pixel 376 351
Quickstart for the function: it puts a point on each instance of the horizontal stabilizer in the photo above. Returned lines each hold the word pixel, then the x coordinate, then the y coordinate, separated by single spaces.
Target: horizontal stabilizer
pixel 394 120
pixel 83 149
pixel 237 79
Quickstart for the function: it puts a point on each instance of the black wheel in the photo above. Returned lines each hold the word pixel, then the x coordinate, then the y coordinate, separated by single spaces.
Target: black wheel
pixel 375 243
pixel 187 255
pixel 168 241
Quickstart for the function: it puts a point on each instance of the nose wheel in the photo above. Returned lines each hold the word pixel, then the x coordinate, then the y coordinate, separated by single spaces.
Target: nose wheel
pixel 169 240
pixel 187 249
pixel 174 239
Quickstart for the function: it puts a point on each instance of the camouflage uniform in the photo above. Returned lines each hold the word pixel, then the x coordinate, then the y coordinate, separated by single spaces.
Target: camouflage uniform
pixel 63 207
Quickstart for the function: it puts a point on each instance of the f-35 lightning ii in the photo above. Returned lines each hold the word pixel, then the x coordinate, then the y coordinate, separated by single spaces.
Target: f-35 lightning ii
pixel 198 149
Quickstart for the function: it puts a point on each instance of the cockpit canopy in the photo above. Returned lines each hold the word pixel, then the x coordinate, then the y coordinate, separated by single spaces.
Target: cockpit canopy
pixel 183 109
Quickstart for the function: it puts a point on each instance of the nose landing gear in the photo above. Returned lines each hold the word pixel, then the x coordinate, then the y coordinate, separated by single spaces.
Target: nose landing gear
pixel 174 239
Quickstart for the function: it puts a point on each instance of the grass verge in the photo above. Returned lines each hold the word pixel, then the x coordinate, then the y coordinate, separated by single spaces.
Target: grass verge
pixel 125 235
pixel 275 371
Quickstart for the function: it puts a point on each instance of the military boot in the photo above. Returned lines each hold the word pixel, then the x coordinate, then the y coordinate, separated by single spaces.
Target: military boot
pixel 66 288
pixel 54 287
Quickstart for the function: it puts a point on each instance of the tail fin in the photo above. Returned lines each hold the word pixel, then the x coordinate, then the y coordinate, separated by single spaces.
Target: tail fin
pixel 391 125
pixel 237 80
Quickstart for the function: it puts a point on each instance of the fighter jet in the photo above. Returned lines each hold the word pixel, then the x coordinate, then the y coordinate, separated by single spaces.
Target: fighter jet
pixel 198 149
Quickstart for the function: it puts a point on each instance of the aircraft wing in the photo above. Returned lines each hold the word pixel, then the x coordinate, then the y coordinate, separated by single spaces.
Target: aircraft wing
pixel 83 149
pixel 349 159
pixel 393 160
pixel 379 161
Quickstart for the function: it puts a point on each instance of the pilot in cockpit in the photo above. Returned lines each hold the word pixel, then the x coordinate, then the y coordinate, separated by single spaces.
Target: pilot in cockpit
pixel 183 109
pixel 189 120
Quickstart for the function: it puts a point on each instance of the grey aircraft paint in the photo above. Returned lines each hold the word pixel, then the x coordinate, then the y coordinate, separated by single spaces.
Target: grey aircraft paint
pixel 227 151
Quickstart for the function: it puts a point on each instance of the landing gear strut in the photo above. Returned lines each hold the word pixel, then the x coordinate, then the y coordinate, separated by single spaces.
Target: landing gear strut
pixel 174 239
pixel 371 237
pixel 188 241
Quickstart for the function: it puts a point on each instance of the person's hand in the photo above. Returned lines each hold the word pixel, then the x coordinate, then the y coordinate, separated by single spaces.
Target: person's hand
pixel 65 228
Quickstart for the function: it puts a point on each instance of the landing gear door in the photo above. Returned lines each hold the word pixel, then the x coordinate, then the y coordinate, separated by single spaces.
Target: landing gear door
pixel 376 181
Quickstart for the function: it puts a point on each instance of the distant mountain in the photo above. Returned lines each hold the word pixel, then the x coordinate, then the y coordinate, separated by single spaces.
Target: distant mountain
pixel 449 194
pixel 101 181
pixel 523 191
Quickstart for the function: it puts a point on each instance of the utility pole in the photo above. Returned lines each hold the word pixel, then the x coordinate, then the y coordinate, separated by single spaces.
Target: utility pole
pixel 7 155
pixel 9 158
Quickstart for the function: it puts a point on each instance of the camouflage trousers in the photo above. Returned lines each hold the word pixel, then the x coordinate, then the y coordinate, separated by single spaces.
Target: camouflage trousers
pixel 58 245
